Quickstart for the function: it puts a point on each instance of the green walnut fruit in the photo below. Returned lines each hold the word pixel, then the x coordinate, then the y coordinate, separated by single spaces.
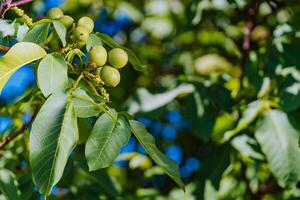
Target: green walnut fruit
pixel 110 76
pixel 67 21
pixel 55 13
pixel 87 23
pixel 118 58
pixel 80 34
pixel 98 55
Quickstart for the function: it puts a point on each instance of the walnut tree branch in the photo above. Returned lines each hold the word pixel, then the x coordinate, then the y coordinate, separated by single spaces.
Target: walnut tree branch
pixel 4 48
pixel 22 130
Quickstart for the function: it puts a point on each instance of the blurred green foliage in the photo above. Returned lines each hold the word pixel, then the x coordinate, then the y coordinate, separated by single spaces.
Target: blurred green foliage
pixel 231 67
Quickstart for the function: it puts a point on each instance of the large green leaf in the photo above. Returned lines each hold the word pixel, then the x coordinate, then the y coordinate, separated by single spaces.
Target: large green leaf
pixel 106 139
pixel 8 185
pixel 38 34
pixel 135 62
pixel 20 54
pixel 52 74
pixel 53 136
pixel 148 142
pixel 278 139
pixel 61 31
pixel 85 106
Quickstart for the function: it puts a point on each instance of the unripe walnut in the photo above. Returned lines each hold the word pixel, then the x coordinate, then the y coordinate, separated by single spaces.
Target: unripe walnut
pixel 118 58
pixel 81 34
pixel 98 55
pixel 110 76
pixel 55 13
pixel 67 21
pixel 87 23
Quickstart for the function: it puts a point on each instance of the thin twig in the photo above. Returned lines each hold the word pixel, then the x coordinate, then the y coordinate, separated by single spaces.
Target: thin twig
pixel 5 6
pixel 20 3
pixel 77 82
pixel 8 139
pixel 250 25
pixel 4 48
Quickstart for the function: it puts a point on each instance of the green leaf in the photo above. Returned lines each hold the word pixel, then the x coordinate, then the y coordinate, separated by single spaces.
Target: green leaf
pixel 253 110
pixel 52 74
pixel 290 97
pixel 85 106
pixel 38 34
pixel 106 139
pixel 61 31
pixel 85 129
pixel 20 54
pixel 53 136
pixel 201 115
pixel 148 142
pixel 278 139
pixel 93 40
pixel 131 56
pixel 244 144
pixel 8 185
pixel 146 102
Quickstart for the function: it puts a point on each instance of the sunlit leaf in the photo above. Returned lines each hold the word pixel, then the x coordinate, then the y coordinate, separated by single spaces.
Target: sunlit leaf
pixel 20 54
pixel 52 74
pixel 278 139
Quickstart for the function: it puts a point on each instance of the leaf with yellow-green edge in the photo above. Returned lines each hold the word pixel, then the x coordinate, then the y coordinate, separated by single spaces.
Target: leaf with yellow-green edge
pixel 18 55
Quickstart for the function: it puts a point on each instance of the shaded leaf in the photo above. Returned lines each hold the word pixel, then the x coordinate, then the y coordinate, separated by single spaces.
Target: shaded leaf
pixel 148 142
pixel 38 34
pixel 290 97
pixel 106 139
pixel 61 31
pixel 8 185
pixel 201 116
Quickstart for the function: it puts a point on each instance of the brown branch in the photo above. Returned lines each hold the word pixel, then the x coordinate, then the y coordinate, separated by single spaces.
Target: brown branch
pixel 20 3
pixel 4 48
pixel 250 25
pixel 8 139
pixel 5 6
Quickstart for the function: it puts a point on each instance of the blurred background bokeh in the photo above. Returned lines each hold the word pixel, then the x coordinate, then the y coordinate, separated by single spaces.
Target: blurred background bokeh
pixel 201 78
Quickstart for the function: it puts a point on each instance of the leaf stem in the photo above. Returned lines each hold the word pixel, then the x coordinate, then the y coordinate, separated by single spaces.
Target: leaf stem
pixel 92 87
pixel 101 106
pixel 20 3
pixel 77 82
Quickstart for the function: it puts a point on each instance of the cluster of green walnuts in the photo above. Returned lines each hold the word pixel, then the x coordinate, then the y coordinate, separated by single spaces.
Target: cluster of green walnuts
pixel 106 64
